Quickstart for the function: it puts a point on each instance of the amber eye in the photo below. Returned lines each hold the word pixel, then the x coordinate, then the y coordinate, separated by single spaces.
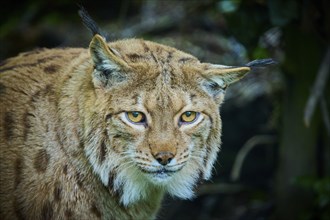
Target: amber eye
pixel 188 117
pixel 136 117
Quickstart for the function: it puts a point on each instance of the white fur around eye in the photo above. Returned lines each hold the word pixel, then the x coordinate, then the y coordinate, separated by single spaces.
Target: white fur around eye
pixel 137 126
pixel 199 118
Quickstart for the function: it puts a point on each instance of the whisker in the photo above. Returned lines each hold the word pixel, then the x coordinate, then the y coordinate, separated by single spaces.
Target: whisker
pixel 178 164
pixel 125 166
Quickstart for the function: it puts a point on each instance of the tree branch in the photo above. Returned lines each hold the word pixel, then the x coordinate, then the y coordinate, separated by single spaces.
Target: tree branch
pixel 243 152
pixel 325 114
pixel 318 88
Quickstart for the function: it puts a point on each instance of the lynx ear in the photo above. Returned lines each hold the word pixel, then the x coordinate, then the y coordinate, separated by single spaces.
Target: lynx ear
pixel 219 77
pixel 109 68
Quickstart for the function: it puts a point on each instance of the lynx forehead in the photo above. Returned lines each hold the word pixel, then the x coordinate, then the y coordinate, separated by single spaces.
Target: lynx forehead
pixel 106 132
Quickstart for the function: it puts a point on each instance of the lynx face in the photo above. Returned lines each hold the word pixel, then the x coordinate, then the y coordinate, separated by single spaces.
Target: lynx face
pixel 161 120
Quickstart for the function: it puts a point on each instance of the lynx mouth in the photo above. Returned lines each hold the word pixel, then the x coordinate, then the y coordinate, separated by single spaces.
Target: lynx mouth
pixel 161 171
pixel 159 174
pixel 162 174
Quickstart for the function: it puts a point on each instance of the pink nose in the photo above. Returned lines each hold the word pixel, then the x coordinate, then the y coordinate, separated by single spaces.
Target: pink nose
pixel 164 157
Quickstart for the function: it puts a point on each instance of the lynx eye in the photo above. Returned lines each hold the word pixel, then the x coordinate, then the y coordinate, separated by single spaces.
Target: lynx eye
pixel 189 117
pixel 136 117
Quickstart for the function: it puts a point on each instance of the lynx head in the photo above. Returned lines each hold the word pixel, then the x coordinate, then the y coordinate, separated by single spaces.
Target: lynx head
pixel 155 122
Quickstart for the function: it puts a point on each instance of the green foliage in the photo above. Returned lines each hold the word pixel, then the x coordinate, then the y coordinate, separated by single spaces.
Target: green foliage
pixel 321 191
pixel 281 12
pixel 246 20
pixel 228 6
pixel 260 52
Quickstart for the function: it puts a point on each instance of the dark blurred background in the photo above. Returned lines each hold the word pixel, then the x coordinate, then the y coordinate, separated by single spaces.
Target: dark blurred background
pixel 275 157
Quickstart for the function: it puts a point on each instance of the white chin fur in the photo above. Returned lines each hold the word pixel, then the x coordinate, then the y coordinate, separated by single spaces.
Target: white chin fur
pixel 183 183
pixel 179 184
pixel 133 185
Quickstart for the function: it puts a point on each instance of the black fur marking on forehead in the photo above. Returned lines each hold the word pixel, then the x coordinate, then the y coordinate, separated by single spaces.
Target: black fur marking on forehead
pixel 186 60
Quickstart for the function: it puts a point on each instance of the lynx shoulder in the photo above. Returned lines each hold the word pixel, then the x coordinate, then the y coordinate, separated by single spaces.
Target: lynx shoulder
pixel 105 132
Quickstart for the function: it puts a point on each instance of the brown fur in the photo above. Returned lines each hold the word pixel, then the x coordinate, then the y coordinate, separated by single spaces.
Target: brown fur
pixel 65 151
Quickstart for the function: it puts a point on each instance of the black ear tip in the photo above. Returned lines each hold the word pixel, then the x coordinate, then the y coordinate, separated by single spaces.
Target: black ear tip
pixel 261 63
pixel 89 22
pixel 82 11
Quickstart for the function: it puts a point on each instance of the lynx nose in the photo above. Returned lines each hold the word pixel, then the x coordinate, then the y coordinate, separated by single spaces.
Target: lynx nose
pixel 164 157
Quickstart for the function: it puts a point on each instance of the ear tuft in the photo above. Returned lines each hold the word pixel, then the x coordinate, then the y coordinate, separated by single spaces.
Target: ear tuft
pixel 261 63
pixel 219 77
pixel 89 22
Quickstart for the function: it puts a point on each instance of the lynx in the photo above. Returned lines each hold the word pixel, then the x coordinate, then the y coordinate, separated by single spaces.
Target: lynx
pixel 105 132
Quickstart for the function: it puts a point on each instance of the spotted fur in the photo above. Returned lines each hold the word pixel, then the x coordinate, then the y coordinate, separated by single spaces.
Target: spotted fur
pixel 66 152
